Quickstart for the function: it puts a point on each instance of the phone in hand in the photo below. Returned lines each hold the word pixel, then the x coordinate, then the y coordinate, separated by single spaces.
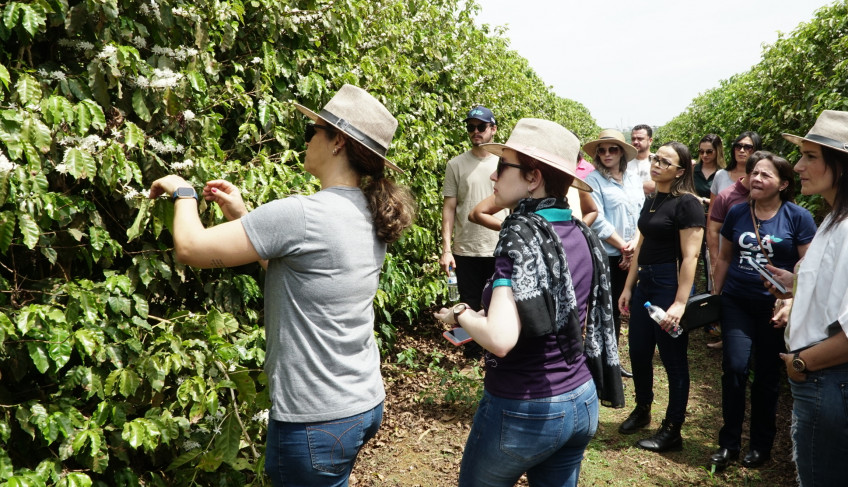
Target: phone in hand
pixel 458 336
pixel 768 275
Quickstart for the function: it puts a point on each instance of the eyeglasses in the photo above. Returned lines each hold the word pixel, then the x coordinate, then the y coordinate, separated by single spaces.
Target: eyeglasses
pixel 502 164
pixel 707 152
pixel 746 147
pixel 662 163
pixel 479 127
pixel 310 131
pixel 613 150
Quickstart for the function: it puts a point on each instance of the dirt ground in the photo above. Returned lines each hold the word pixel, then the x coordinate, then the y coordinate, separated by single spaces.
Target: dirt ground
pixel 423 434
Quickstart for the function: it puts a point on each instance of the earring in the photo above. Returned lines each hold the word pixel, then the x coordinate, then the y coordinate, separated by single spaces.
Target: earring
pixel 335 151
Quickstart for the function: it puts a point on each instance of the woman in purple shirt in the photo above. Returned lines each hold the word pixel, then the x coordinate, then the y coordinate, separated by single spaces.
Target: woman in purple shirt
pixel 540 405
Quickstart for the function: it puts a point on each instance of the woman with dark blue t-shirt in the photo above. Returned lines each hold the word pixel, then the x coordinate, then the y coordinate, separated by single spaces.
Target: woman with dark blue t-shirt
pixel 543 379
pixel 771 229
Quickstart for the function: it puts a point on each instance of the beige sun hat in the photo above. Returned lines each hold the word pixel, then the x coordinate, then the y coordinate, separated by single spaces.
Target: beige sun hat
pixel 830 129
pixel 610 136
pixel 547 142
pixel 355 112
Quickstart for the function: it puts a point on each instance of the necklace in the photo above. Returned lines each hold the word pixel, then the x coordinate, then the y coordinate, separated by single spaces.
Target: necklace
pixel 652 210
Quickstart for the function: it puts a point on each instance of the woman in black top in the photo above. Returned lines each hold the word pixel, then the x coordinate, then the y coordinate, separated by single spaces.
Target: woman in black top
pixel 672 226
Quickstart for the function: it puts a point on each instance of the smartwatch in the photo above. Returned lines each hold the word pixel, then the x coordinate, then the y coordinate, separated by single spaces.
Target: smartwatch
pixel 458 310
pixel 798 363
pixel 184 192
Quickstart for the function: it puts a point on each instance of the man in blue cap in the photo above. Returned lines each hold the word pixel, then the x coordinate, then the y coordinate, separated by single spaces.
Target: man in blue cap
pixel 466 246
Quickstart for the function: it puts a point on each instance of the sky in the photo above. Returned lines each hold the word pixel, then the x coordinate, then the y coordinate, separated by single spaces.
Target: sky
pixel 632 62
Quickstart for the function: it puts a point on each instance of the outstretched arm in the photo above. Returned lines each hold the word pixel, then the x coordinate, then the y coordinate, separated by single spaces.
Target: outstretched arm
pixel 224 245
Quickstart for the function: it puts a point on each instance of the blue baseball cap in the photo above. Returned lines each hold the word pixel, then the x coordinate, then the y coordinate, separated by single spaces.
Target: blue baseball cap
pixel 481 113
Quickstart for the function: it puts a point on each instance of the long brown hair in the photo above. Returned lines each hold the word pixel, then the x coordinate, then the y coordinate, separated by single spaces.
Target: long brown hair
pixel 392 206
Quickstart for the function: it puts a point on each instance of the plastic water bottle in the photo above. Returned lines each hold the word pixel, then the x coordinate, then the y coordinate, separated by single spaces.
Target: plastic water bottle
pixel 453 287
pixel 658 315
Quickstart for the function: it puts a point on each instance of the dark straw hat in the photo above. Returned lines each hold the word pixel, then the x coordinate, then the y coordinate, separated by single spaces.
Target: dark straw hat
pixel 611 136
pixel 355 112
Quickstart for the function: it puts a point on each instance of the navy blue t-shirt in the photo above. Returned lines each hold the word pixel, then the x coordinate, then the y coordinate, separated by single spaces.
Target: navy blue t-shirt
pixel 781 235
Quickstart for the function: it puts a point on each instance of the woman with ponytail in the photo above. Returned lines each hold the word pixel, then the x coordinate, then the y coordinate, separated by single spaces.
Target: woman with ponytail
pixel 323 253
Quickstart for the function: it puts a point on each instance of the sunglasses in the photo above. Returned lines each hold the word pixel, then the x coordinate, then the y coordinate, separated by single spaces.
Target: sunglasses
pixel 612 150
pixel 479 127
pixel 662 163
pixel 310 131
pixel 502 164
pixel 707 152
pixel 746 147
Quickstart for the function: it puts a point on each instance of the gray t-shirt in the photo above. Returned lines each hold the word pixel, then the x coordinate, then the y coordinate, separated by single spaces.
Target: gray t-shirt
pixel 324 267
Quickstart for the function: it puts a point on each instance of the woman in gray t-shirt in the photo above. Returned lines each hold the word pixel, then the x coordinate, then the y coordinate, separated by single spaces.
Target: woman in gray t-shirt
pixel 323 253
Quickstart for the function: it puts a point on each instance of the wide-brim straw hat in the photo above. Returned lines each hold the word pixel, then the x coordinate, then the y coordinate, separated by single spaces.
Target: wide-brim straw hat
pixel 548 142
pixel 830 129
pixel 611 136
pixel 355 112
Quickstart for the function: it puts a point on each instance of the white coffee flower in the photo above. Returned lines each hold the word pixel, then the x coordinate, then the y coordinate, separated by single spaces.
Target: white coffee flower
pixel 188 115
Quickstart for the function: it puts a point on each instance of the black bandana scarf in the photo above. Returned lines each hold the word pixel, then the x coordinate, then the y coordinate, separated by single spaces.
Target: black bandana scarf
pixel 544 293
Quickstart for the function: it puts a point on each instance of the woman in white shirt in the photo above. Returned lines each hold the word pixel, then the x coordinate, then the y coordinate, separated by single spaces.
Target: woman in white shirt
pixel 817 334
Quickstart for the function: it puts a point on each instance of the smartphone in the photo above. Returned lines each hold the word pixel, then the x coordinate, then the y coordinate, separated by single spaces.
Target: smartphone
pixel 458 336
pixel 768 275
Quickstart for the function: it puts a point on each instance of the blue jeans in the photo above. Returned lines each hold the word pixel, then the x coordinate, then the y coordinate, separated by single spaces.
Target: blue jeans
pixel 318 454
pixel 747 333
pixel 658 284
pixel 544 437
pixel 820 427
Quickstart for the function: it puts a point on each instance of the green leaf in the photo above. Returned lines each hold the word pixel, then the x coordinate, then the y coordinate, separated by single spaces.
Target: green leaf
pixel 80 163
pixel 39 356
pixel 5 79
pixel 221 323
pixel 140 220
pixel 133 135
pixel 38 134
pixel 29 90
pixel 75 479
pixel 60 346
pixel 29 229
pixel 226 444
pixel 128 382
pixel 245 385
pixel 32 19
pixel 11 14
pixel 7 230
pixel 86 341
pixel 140 107
pixel 95 114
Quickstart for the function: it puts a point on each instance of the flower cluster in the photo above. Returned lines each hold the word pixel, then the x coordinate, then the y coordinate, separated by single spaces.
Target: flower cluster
pixel 186 164
pixel 164 148
pixel 261 416
pixel 6 165
pixel 151 10
pixel 181 12
pixel 78 45
pixel 90 143
pixel 107 52
pixel 188 115
pixel 180 54
pixel 190 445
pixel 57 75
pixel 132 193
pixel 162 78
pixel 61 168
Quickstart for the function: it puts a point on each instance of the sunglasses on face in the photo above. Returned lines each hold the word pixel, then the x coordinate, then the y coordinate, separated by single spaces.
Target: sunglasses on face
pixel 479 127
pixel 310 131
pixel 502 164
pixel 745 147
pixel 707 152
pixel 612 150
pixel 662 163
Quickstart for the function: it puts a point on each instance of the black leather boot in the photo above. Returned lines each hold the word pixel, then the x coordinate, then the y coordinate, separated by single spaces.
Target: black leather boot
pixel 638 419
pixel 665 439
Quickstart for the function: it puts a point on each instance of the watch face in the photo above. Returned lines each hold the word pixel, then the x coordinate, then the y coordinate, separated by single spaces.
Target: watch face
pixel 185 193
pixel 798 365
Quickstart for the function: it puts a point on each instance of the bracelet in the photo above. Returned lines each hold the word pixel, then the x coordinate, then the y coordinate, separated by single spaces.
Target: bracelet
pixel 447 252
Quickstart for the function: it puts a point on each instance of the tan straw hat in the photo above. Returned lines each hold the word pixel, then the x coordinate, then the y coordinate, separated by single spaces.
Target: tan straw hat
pixel 355 112
pixel 547 142
pixel 610 136
pixel 830 129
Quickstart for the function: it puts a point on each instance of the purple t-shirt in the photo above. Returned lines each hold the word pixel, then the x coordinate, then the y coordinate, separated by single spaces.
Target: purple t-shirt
pixel 535 367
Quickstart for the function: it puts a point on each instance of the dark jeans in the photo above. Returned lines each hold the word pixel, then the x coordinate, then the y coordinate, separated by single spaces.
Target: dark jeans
pixel 748 335
pixel 617 279
pixel 658 284
pixel 471 276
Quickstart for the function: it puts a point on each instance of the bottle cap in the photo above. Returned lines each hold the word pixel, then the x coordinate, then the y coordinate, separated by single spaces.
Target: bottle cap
pixel 647 304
